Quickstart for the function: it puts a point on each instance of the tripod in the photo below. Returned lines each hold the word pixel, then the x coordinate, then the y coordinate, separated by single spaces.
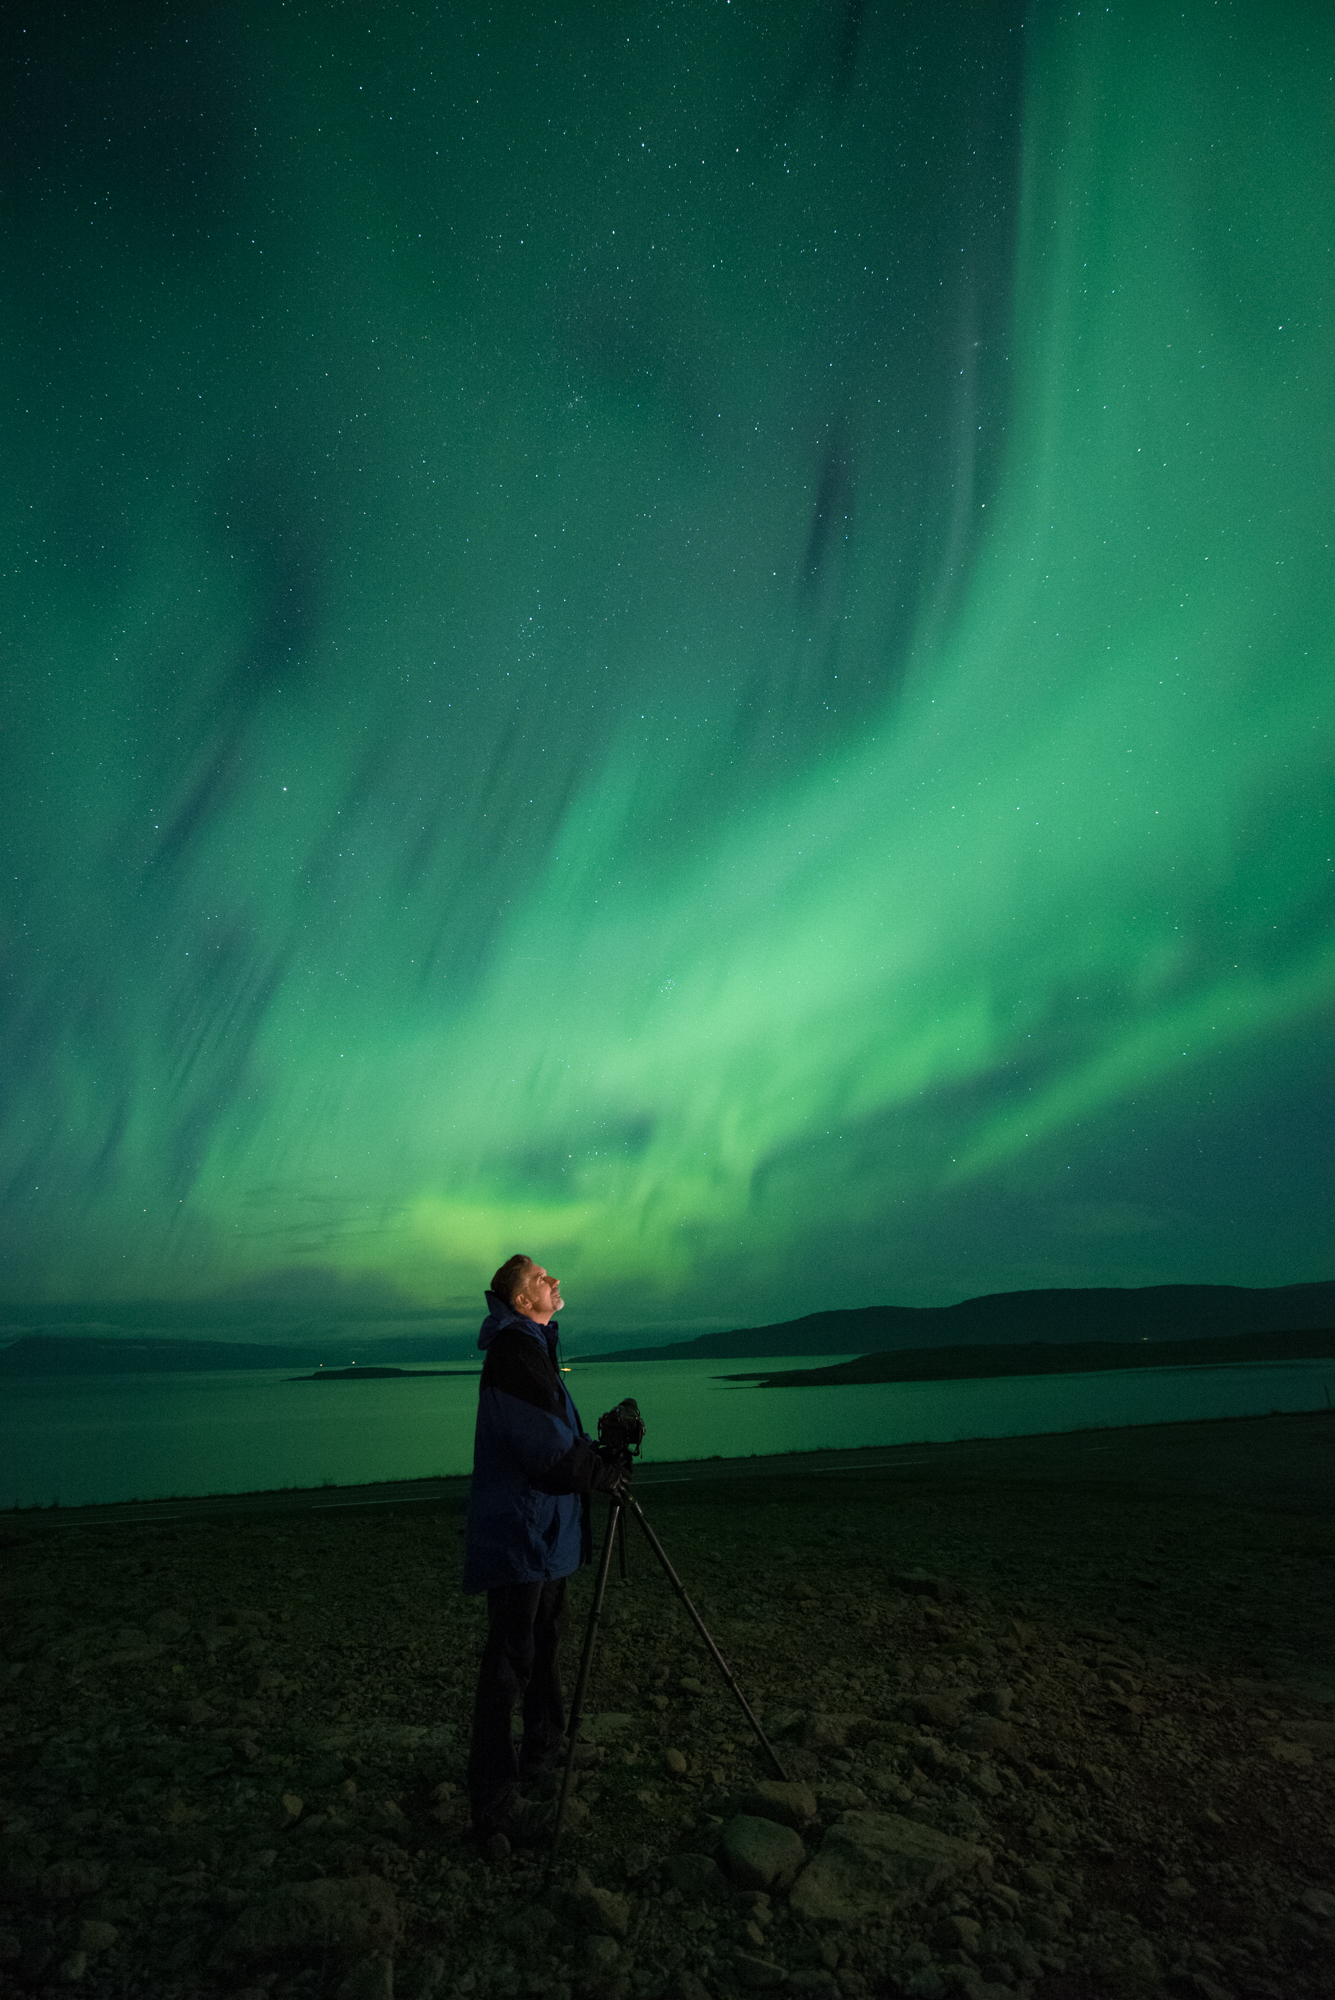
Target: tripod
pixel 616 1525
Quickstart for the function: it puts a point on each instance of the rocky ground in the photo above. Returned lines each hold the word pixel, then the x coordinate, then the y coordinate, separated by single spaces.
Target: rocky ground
pixel 1069 1740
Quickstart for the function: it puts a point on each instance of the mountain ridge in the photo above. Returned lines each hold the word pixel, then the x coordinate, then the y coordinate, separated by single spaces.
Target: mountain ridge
pixel 1071 1314
pixel 1040 1357
pixel 1067 1315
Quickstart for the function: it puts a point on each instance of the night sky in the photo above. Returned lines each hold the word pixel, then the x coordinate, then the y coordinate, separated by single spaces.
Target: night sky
pixel 695 638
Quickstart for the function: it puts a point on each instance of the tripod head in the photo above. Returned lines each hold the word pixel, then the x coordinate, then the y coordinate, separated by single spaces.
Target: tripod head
pixel 621 1432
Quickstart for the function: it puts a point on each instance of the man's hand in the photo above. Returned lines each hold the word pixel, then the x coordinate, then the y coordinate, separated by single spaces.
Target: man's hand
pixel 614 1480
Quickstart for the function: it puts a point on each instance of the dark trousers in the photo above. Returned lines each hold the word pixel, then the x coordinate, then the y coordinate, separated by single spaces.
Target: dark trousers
pixel 519 1663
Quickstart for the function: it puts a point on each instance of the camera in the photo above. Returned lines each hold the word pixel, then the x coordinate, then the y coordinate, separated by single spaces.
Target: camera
pixel 621 1432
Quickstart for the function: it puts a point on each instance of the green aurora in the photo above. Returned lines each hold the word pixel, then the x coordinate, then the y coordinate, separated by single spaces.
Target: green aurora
pixel 698 639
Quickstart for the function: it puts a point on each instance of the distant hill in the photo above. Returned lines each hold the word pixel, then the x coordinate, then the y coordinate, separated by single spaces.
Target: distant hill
pixel 959 1364
pixel 123 1354
pixel 51 1340
pixel 284 1319
pixel 1104 1313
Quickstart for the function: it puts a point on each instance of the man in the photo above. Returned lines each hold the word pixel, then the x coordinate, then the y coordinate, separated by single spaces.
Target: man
pixel 528 1529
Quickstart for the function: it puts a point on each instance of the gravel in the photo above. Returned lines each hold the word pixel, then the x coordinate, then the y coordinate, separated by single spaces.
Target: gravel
pixel 1079 1746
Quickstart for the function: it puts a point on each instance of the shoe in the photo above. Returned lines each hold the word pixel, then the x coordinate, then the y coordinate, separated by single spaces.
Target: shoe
pixel 534 1767
pixel 527 1824
pixel 532 1823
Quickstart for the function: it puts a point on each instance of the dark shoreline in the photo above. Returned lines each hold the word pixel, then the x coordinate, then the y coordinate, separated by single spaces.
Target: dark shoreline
pixel 1039 1357
pixel 1190 1456
pixel 1101 1659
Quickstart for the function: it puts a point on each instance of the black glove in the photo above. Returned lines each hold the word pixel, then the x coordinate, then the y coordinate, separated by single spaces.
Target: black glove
pixel 610 1476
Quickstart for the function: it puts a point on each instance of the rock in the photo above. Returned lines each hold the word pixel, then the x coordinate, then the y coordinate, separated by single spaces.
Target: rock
pixel 836 1732
pixel 1318 1903
pixel 293 1806
pixel 422 1983
pixel 95 1937
pixel 354 1913
pixel 371 1978
pixel 74 1967
pixel 938 1709
pixel 995 1701
pixel 685 1986
pixel 792 1804
pixel 918 1584
pixel 963 1979
pixel 168 1625
pixel 194 1714
pixel 783 1721
pixel 959 1933
pixel 834 1799
pixel 929 1756
pixel 696 1876
pixel 326 1771
pixel 65 1880
pixel 889 1782
pixel 603 1910
pixel 529 1927
pixel 760 1854
pixel 873 1863
pixel 1285 1752
pixel 690 1685
pixel 987 1732
pixel 1179 1889
pixel 757 1972
pixel 676 1762
pixel 1008 1941
pixel 601 1729
pixel 1321 1735
pixel 601 1953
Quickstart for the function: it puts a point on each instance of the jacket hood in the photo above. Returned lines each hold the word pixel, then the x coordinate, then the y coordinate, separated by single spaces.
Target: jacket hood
pixel 500 1314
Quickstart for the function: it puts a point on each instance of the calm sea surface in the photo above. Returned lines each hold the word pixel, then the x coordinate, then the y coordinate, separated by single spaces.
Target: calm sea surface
pixel 146 1437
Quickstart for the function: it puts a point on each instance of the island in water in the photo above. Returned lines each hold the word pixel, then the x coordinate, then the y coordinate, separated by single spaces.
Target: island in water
pixel 1045 1357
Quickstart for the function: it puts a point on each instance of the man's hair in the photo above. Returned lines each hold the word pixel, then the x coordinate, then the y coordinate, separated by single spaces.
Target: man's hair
pixel 510 1277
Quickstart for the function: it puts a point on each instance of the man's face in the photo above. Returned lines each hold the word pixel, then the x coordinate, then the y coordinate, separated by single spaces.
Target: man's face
pixel 539 1296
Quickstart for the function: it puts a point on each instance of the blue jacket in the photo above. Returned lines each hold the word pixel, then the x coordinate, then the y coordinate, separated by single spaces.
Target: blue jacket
pixel 532 1464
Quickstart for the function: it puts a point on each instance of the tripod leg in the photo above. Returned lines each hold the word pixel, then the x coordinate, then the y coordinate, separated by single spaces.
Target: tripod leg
pixel 614 1515
pixel 699 1624
pixel 621 1544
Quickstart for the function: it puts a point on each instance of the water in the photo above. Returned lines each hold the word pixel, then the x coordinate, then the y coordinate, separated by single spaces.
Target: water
pixel 105 1438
